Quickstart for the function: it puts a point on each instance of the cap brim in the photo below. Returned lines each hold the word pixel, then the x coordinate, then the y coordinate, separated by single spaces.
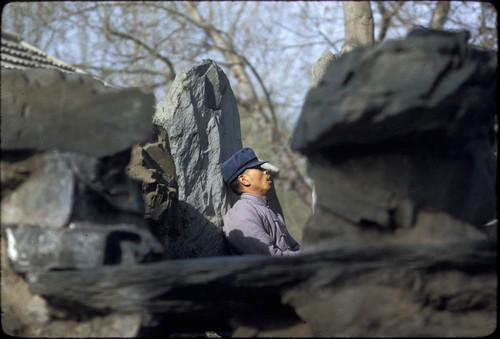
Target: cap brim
pixel 254 163
pixel 247 166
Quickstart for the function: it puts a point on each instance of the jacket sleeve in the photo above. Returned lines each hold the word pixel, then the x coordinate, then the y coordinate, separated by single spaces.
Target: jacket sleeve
pixel 246 234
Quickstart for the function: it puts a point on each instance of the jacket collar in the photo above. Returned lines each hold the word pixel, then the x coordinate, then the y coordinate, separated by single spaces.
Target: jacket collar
pixel 254 198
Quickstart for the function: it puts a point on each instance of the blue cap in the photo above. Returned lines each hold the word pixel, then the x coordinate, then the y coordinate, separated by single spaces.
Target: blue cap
pixel 238 162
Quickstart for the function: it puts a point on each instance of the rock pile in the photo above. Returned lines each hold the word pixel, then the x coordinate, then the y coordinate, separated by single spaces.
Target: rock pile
pixel 401 146
pixel 67 202
pixel 400 135
pixel 63 167
pixel 401 142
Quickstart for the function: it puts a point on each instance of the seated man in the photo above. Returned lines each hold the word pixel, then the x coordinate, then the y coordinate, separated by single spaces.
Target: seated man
pixel 251 226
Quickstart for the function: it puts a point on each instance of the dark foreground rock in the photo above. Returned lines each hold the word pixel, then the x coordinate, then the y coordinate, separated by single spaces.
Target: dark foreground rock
pixel 47 109
pixel 401 141
pixel 67 202
pixel 399 135
pixel 393 290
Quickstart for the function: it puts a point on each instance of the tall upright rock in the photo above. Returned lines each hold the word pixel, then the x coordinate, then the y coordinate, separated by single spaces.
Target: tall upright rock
pixel 200 117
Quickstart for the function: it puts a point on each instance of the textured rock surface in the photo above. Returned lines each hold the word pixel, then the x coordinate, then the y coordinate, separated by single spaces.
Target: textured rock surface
pixel 31 248
pixel 384 290
pixel 25 314
pixel 320 67
pixel 201 120
pixel 28 315
pixel 401 142
pixel 401 129
pixel 67 201
pixel 395 247
pixel 45 198
pixel 51 110
pixel 153 165
pixel 387 192
pixel 428 84
pixel 53 189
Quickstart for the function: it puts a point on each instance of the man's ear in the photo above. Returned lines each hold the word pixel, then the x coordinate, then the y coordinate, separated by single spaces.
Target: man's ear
pixel 242 178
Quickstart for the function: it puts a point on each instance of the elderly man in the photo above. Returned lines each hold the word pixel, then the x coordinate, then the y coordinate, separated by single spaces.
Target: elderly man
pixel 251 226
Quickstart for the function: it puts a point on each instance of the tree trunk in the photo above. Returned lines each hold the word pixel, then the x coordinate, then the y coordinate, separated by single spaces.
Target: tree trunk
pixel 358 24
pixel 440 15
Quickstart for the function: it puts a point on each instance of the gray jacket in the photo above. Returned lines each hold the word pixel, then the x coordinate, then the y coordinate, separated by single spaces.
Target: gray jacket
pixel 252 227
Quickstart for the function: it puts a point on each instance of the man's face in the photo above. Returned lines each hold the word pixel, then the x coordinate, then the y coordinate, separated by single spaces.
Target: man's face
pixel 259 179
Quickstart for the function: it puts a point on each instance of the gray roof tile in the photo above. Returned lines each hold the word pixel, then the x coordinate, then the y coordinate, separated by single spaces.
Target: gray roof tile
pixel 17 54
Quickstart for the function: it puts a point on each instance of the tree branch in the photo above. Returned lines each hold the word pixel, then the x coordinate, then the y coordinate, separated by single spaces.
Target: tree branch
pixel 278 142
pixel 232 29
pixel 387 16
pixel 142 44
pixel 267 95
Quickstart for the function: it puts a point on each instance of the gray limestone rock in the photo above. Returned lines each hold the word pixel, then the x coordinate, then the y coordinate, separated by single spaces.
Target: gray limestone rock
pixel 320 67
pixel 439 289
pixel 400 141
pixel 405 90
pixel 402 178
pixel 153 165
pixel 387 191
pixel 80 246
pixel 46 196
pixel 400 129
pixel 200 117
pixel 50 189
pixel 25 314
pixel 51 110
pixel 66 201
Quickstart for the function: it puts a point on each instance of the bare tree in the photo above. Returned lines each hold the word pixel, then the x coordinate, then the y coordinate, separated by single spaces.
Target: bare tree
pixel 487 31
pixel 260 108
